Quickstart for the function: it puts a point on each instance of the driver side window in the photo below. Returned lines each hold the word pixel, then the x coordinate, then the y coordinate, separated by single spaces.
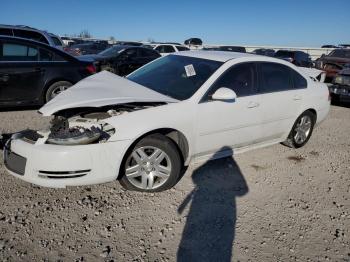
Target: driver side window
pixel 240 78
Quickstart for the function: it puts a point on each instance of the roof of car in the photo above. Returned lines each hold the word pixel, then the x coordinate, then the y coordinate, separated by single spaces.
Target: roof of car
pixel 221 56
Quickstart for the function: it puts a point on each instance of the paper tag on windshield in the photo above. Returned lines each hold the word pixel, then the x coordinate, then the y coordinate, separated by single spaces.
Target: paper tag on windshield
pixel 190 70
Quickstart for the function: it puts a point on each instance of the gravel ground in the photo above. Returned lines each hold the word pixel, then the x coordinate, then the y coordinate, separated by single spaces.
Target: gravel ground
pixel 271 204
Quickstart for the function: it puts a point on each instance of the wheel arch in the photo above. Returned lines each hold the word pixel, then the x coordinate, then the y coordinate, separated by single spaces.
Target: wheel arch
pixel 51 82
pixel 179 139
pixel 313 111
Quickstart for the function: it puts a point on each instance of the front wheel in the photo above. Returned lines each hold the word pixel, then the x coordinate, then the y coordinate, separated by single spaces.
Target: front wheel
pixel 152 165
pixel 301 131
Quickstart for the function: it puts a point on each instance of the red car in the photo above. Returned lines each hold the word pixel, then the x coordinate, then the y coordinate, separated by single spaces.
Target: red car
pixel 334 62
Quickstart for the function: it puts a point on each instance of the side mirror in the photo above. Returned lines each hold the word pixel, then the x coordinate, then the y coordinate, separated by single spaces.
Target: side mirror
pixel 224 94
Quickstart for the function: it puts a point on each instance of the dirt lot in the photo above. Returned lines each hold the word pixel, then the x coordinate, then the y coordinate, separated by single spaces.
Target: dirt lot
pixel 272 204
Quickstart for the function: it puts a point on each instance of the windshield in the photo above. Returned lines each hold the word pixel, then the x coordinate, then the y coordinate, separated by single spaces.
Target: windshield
pixel 176 76
pixel 112 51
pixel 344 53
pixel 56 41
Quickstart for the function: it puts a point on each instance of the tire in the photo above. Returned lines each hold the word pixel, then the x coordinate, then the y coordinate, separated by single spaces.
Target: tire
pixel 157 169
pixel 300 127
pixel 56 88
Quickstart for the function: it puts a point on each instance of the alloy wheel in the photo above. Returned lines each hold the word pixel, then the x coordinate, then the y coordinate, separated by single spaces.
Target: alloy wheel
pixel 302 129
pixel 148 167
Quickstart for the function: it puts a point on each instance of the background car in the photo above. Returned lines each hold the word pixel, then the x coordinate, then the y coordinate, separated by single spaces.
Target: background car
pixel 122 59
pixel 239 49
pixel 333 62
pixel 329 46
pixel 264 51
pixel 195 42
pixel 165 49
pixel 130 43
pixel 87 48
pixel 32 73
pixel 341 85
pixel 299 58
pixel 31 33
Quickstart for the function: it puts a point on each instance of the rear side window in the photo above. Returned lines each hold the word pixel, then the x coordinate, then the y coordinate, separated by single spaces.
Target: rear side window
pixel 240 78
pixel 274 78
pixel 18 52
pixel 46 55
pixel 165 49
pixel 298 80
pixel 182 48
pixel 6 31
pixel 30 35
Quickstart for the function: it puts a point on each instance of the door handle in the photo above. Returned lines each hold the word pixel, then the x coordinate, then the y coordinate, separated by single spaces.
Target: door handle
pixel 253 104
pixel 297 97
pixel 4 78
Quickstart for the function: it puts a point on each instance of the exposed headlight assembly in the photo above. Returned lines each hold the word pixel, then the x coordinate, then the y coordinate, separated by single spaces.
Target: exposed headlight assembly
pixel 75 136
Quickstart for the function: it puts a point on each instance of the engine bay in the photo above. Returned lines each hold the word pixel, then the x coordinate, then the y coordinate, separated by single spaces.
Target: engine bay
pixel 85 125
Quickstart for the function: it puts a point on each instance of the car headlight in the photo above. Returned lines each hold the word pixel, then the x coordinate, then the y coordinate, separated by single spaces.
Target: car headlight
pixel 342 80
pixel 74 136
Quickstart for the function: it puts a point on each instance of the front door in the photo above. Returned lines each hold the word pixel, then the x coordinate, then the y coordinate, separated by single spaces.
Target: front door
pixel 222 125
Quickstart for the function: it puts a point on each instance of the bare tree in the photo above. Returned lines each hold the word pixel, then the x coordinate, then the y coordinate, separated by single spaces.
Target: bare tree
pixel 85 34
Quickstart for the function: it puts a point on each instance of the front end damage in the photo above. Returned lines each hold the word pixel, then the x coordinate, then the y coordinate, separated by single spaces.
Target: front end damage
pixel 75 150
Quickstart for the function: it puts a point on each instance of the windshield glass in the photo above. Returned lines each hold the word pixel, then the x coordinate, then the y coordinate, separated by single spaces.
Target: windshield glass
pixel 112 51
pixel 176 76
pixel 345 53
pixel 56 41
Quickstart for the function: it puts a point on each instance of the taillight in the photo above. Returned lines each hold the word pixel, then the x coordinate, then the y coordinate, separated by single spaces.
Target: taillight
pixel 91 69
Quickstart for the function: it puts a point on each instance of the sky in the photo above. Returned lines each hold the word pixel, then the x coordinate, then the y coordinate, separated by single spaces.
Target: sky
pixel 303 23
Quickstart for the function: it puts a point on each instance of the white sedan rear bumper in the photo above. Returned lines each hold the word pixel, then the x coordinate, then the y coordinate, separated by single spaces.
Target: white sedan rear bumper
pixel 60 166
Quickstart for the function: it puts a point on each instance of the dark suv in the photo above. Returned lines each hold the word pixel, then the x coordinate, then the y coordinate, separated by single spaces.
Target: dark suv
pixel 31 33
pixel 298 58
pixel 32 73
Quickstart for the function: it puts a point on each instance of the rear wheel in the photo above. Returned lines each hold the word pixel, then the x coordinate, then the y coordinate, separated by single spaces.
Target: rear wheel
pixel 56 88
pixel 152 165
pixel 302 130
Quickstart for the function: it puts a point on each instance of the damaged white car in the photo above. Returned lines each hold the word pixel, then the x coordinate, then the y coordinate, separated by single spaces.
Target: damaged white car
pixel 143 129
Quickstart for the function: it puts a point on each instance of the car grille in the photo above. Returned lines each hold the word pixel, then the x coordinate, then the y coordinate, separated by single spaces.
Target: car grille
pixel 14 162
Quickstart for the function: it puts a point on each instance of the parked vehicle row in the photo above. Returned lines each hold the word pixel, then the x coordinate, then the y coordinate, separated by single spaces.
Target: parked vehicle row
pixel 109 128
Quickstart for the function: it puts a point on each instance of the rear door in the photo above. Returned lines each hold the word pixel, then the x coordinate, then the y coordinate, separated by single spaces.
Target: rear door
pixel 282 91
pixel 20 72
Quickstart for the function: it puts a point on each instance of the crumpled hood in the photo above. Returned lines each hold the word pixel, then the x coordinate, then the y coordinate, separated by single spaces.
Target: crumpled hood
pixel 102 89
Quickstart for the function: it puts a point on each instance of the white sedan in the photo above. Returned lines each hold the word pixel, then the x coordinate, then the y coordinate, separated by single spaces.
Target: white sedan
pixel 165 49
pixel 182 108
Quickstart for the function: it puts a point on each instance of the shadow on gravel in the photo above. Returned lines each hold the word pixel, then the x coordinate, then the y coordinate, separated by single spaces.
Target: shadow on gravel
pixel 210 227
